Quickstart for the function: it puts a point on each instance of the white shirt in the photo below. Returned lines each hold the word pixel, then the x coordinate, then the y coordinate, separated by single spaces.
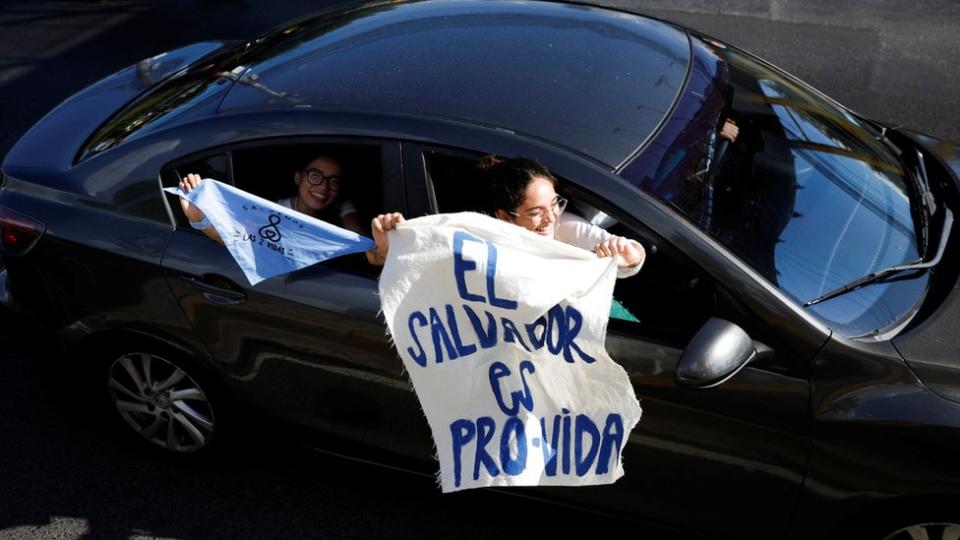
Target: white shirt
pixel 576 231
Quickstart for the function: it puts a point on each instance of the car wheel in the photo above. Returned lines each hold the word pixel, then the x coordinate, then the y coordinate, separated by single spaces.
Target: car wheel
pixel 927 531
pixel 162 403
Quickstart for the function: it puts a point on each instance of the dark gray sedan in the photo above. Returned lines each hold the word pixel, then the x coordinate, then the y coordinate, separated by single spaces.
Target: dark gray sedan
pixel 792 336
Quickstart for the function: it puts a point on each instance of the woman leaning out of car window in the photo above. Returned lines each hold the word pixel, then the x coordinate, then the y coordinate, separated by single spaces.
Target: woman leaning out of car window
pixel 523 192
pixel 319 185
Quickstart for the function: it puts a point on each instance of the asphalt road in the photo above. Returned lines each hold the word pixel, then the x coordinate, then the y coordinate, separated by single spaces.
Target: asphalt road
pixel 64 473
pixel 892 60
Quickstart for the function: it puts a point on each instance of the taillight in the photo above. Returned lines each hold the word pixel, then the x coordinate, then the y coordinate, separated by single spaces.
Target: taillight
pixel 18 233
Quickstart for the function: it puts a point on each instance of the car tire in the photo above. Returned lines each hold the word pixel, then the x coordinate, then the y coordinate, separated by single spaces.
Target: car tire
pixel 164 402
pixel 932 530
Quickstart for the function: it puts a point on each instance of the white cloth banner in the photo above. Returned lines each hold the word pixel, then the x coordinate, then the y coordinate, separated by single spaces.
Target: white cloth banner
pixel 502 332
pixel 268 239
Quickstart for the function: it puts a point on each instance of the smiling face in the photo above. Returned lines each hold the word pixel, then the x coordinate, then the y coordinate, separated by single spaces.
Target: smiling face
pixel 318 185
pixel 538 211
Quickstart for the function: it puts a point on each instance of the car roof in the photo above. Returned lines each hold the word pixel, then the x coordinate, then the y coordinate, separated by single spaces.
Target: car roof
pixel 593 80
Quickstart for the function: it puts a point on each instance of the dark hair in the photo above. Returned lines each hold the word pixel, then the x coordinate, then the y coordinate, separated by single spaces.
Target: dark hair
pixel 322 155
pixel 508 180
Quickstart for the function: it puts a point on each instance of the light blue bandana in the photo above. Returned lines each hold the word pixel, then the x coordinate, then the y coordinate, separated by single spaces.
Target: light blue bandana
pixel 265 238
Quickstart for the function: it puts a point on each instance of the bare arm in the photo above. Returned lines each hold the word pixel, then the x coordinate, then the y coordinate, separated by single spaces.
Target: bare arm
pixel 194 214
pixel 380 226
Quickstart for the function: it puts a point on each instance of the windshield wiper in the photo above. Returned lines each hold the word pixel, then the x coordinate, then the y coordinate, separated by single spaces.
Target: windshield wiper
pixel 927 204
pixel 881 275
pixel 926 196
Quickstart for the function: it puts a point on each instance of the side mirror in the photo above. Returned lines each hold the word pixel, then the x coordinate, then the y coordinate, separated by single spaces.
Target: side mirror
pixel 718 351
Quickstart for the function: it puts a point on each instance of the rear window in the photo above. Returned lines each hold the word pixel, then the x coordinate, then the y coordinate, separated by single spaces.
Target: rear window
pixel 167 101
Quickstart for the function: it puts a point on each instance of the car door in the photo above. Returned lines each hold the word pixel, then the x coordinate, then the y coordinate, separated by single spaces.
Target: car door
pixel 727 460
pixel 307 346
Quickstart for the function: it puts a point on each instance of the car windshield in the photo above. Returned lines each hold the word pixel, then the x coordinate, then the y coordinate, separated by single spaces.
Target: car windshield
pixel 805 193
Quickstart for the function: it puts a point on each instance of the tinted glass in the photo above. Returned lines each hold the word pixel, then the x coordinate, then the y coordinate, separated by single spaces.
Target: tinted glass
pixel 668 300
pixel 596 81
pixel 215 166
pixel 269 171
pixel 197 88
pixel 457 184
pixel 806 194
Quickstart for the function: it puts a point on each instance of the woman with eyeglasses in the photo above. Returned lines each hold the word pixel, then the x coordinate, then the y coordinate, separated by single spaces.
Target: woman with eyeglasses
pixel 523 192
pixel 319 185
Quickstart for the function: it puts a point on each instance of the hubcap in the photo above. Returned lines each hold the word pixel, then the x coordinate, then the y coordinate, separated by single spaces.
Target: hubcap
pixel 927 531
pixel 161 402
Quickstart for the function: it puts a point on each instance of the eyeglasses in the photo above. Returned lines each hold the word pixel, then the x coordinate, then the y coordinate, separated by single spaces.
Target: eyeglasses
pixel 538 214
pixel 316 177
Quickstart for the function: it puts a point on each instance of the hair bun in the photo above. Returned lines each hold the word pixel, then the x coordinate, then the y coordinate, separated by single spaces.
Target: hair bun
pixel 488 162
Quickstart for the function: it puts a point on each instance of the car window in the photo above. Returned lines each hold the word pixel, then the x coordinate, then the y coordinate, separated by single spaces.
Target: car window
pixel 667 301
pixel 216 165
pixel 268 170
pixel 195 90
pixel 454 181
pixel 671 297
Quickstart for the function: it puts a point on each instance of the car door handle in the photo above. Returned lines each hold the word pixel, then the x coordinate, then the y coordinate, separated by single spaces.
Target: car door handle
pixel 226 292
